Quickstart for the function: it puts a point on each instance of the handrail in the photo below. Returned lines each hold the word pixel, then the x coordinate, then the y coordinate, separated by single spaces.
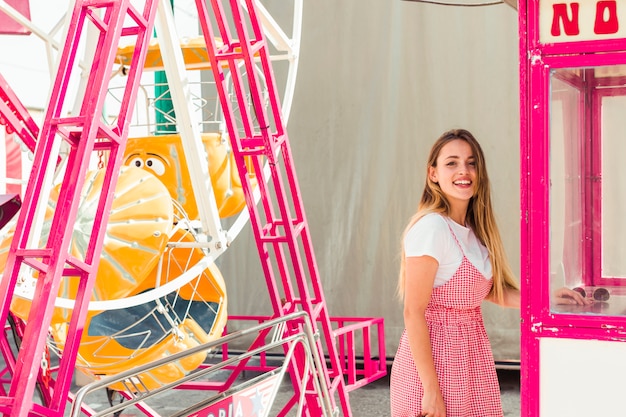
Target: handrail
pixel 360 345
pixel 136 393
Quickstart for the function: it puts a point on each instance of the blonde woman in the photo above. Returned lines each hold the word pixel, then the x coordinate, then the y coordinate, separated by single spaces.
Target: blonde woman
pixel 452 260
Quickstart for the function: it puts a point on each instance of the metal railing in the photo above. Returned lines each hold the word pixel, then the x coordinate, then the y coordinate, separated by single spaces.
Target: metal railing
pixel 214 389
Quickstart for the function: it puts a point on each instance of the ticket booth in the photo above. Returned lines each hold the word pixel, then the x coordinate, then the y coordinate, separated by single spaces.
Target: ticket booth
pixel 573 206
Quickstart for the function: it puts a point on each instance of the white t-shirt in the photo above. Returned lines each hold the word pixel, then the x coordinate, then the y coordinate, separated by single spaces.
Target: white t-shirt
pixel 431 236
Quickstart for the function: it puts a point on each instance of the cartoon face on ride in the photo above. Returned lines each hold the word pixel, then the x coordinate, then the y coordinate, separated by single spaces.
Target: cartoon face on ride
pixel 164 156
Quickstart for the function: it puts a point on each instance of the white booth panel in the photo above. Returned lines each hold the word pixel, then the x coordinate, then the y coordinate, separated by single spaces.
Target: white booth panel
pixel 582 378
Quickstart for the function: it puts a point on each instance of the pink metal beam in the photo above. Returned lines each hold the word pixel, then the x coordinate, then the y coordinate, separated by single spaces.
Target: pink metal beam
pixel 279 224
pixel 85 133
pixel 16 117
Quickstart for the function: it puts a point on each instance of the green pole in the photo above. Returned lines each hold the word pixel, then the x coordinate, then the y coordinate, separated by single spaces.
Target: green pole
pixel 165 116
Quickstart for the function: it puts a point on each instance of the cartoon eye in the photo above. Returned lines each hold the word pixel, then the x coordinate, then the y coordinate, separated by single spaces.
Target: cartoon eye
pixel 156 165
pixel 136 162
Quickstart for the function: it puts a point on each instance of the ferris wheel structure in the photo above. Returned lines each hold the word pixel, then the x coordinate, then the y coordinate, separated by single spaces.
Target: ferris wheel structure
pixel 139 185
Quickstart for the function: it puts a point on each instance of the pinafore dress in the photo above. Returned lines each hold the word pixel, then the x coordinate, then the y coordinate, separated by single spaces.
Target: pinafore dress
pixel 461 351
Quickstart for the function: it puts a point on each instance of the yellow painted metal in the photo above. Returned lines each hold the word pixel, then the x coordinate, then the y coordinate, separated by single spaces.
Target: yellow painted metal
pixel 163 155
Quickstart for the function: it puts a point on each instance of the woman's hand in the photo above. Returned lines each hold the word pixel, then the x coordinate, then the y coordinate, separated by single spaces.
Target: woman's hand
pixel 566 296
pixel 432 404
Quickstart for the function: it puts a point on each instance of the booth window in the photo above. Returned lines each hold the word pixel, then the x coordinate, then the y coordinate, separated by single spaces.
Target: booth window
pixel 588 186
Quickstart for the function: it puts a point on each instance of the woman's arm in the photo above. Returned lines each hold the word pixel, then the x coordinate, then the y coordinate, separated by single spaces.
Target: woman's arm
pixel 564 295
pixel 420 275
pixel 560 296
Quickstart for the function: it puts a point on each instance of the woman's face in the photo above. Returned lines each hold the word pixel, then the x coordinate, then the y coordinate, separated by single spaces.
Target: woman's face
pixel 455 171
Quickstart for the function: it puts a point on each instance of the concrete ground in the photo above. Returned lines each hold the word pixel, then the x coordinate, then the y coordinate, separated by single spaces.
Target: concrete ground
pixel 510 392
pixel 372 400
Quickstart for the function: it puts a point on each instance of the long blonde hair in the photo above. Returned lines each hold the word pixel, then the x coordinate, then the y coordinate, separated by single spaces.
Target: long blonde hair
pixel 479 217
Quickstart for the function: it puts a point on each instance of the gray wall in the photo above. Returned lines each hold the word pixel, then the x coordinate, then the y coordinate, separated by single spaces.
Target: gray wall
pixel 378 82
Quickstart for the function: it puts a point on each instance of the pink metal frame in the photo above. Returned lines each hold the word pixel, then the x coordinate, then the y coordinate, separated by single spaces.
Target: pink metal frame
pixel 85 133
pixel 597 276
pixel 16 117
pixel 590 255
pixel 351 333
pixel 536 61
pixel 280 228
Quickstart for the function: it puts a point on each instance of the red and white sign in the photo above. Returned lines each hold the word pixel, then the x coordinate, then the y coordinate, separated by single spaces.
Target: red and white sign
pixel 253 401
pixel 582 20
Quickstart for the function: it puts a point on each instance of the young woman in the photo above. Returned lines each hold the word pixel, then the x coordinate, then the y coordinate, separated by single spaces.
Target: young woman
pixel 452 260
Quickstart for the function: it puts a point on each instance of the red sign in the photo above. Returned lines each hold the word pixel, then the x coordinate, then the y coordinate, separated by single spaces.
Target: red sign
pixel 570 21
pixel 253 401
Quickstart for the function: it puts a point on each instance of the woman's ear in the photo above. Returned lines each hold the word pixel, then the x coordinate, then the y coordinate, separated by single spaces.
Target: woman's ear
pixel 432 174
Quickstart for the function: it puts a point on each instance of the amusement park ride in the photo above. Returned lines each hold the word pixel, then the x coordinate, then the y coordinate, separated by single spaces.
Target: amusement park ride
pixel 109 266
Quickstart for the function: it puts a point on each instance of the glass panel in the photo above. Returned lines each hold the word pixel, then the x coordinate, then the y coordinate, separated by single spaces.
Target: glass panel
pixel 587 195
pixel 566 185
pixel 613 189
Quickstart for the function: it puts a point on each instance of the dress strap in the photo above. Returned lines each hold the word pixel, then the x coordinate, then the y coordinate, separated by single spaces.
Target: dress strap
pixel 456 239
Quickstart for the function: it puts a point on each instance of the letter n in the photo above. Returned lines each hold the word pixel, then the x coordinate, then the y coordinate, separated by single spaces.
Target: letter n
pixel 570 26
pixel 610 24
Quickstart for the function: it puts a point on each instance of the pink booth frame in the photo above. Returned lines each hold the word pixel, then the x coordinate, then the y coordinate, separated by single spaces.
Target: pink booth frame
pixel 537 321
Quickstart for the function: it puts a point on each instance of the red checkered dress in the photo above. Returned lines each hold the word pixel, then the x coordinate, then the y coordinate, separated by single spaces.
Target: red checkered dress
pixel 461 350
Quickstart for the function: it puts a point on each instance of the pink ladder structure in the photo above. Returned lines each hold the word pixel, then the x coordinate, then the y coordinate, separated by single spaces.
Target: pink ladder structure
pixel 84 134
pixel 280 226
